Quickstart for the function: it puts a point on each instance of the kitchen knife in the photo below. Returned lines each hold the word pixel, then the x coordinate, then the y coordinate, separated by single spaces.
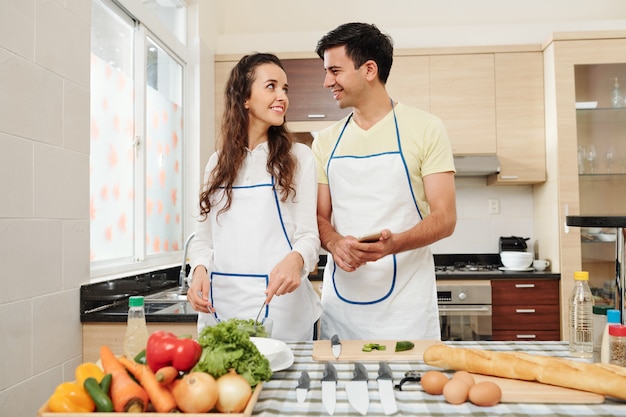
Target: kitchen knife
pixel 335 346
pixel 385 388
pixel 329 388
pixel 303 385
pixel 357 389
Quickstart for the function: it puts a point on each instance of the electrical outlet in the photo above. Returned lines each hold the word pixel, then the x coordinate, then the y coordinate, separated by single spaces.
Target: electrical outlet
pixel 494 206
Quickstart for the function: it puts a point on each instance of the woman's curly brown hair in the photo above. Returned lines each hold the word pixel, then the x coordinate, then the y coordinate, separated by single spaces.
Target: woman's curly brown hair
pixel 234 138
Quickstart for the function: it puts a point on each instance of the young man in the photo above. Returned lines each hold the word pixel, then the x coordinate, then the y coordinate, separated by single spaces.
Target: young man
pixel 385 168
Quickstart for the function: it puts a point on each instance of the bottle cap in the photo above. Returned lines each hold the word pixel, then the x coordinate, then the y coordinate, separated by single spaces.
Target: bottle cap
pixel 617 330
pixel 135 301
pixel 581 276
pixel 601 310
pixel 613 316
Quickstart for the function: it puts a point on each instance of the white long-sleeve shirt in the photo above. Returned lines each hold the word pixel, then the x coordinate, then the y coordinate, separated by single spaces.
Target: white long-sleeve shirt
pixel 299 212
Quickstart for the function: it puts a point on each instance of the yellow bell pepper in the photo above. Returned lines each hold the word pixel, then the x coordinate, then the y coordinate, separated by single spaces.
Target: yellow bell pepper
pixel 88 370
pixel 69 397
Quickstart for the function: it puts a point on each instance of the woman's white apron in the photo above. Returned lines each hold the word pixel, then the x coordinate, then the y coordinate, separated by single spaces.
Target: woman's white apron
pixel 394 297
pixel 249 240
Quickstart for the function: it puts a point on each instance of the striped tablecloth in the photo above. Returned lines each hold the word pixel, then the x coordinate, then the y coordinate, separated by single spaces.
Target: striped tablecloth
pixel 278 397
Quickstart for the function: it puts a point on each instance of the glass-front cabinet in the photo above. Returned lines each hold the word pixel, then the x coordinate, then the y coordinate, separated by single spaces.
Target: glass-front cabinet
pixel 601 160
pixel 585 81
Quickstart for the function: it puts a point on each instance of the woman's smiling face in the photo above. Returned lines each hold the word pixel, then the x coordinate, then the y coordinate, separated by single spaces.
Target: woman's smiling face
pixel 268 101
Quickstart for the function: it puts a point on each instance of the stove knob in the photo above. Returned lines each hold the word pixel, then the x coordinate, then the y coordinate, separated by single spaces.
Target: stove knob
pixel 462 296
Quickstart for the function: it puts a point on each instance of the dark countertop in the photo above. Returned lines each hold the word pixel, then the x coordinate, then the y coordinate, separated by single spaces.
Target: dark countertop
pixel 107 302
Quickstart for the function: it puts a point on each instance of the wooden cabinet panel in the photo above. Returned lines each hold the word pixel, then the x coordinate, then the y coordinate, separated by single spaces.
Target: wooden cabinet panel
pixel 521 292
pixel 409 81
pixel 112 334
pixel 526 317
pixel 520 121
pixel 527 336
pixel 525 309
pixel 462 94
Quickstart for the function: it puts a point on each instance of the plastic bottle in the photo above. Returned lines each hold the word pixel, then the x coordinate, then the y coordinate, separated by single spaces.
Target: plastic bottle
pixel 612 317
pixel 136 336
pixel 599 326
pixel 581 317
pixel 616 94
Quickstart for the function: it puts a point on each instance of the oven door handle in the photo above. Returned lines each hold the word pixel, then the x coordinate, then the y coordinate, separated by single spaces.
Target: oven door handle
pixel 480 309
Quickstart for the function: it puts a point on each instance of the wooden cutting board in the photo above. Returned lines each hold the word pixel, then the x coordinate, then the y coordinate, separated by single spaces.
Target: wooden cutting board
pixel 517 391
pixel 352 350
pixel 513 390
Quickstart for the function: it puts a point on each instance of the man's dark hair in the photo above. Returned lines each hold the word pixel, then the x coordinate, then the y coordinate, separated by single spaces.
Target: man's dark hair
pixel 362 42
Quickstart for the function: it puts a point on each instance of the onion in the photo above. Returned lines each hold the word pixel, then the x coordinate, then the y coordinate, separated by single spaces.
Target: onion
pixel 234 391
pixel 195 392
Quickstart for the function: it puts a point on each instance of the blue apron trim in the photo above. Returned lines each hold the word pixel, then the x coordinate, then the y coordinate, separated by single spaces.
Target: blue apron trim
pixel 366 156
pixel 384 297
pixel 406 168
pixel 280 215
pixel 238 276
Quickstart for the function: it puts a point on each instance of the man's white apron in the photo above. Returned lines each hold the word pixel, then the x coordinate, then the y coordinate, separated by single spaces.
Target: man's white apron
pixel 394 297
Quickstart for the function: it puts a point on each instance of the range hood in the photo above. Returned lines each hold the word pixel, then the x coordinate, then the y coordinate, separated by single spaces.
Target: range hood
pixel 476 165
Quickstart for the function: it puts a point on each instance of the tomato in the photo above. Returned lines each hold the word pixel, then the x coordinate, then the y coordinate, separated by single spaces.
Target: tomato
pixel 195 392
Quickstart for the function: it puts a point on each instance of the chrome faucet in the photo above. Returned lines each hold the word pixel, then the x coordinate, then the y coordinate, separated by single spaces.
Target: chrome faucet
pixel 182 277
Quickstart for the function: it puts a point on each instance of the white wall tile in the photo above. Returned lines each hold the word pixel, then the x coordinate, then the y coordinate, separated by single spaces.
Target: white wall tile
pixel 62 42
pixel 56 329
pixel 31 100
pixel 76 128
pixel 25 398
pixel 30 255
pixel 61 183
pixel 16 177
pixel 75 253
pixel 16 343
pixel 17 27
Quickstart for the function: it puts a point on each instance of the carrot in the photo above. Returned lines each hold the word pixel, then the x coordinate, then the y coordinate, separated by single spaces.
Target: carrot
pixel 166 375
pixel 126 394
pixel 162 399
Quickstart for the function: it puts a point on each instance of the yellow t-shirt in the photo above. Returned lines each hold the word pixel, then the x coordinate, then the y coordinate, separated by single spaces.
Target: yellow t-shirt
pixel 424 140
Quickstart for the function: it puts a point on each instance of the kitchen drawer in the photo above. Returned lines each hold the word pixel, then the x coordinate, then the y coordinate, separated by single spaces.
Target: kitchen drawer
pixel 525 317
pixel 522 292
pixel 529 335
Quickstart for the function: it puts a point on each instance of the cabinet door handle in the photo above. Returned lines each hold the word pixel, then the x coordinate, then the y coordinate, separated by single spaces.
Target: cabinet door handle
pixel 525 336
pixel 524 310
pixel 524 285
pixel 316 116
pixel 509 177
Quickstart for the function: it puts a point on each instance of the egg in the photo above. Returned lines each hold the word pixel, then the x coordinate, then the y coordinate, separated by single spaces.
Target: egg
pixel 433 382
pixel 464 376
pixel 456 391
pixel 485 394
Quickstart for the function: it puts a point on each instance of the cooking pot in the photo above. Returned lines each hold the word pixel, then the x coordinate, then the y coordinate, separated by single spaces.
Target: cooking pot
pixel 513 243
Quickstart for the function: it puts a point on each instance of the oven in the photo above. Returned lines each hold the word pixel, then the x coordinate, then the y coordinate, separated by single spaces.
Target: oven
pixel 464 309
pixel 464 295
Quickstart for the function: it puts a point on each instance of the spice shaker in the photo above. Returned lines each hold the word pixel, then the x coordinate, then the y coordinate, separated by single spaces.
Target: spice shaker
pixel 617 343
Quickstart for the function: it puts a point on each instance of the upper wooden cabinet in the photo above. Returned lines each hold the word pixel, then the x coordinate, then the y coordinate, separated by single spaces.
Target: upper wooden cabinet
pixel 520 120
pixel 308 99
pixel 409 81
pixel 462 94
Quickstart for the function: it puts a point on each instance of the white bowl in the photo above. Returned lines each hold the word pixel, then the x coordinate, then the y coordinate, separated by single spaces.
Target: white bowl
pixel 516 260
pixel 270 348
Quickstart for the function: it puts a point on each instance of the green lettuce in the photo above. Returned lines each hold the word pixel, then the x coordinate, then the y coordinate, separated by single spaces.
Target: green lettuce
pixel 227 346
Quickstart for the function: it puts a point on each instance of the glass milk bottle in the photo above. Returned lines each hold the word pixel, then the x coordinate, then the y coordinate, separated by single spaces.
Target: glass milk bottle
pixel 136 330
pixel 581 317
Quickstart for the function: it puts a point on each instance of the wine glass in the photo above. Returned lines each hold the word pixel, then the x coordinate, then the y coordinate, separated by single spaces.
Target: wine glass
pixel 591 157
pixel 610 157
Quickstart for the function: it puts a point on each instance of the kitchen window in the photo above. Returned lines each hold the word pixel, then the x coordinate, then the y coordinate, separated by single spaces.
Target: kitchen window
pixel 137 138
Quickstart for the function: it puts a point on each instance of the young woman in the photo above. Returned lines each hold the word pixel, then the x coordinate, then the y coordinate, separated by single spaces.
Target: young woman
pixel 257 236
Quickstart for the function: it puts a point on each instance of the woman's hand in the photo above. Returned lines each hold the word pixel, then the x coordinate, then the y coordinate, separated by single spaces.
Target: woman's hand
pixel 285 277
pixel 198 293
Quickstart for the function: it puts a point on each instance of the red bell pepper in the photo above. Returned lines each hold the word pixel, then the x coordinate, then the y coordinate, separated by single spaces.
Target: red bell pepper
pixel 167 349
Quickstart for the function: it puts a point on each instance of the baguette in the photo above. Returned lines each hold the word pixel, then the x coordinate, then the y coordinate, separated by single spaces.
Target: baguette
pixel 604 379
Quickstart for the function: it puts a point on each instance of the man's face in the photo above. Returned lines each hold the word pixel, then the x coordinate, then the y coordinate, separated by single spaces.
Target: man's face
pixel 344 81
